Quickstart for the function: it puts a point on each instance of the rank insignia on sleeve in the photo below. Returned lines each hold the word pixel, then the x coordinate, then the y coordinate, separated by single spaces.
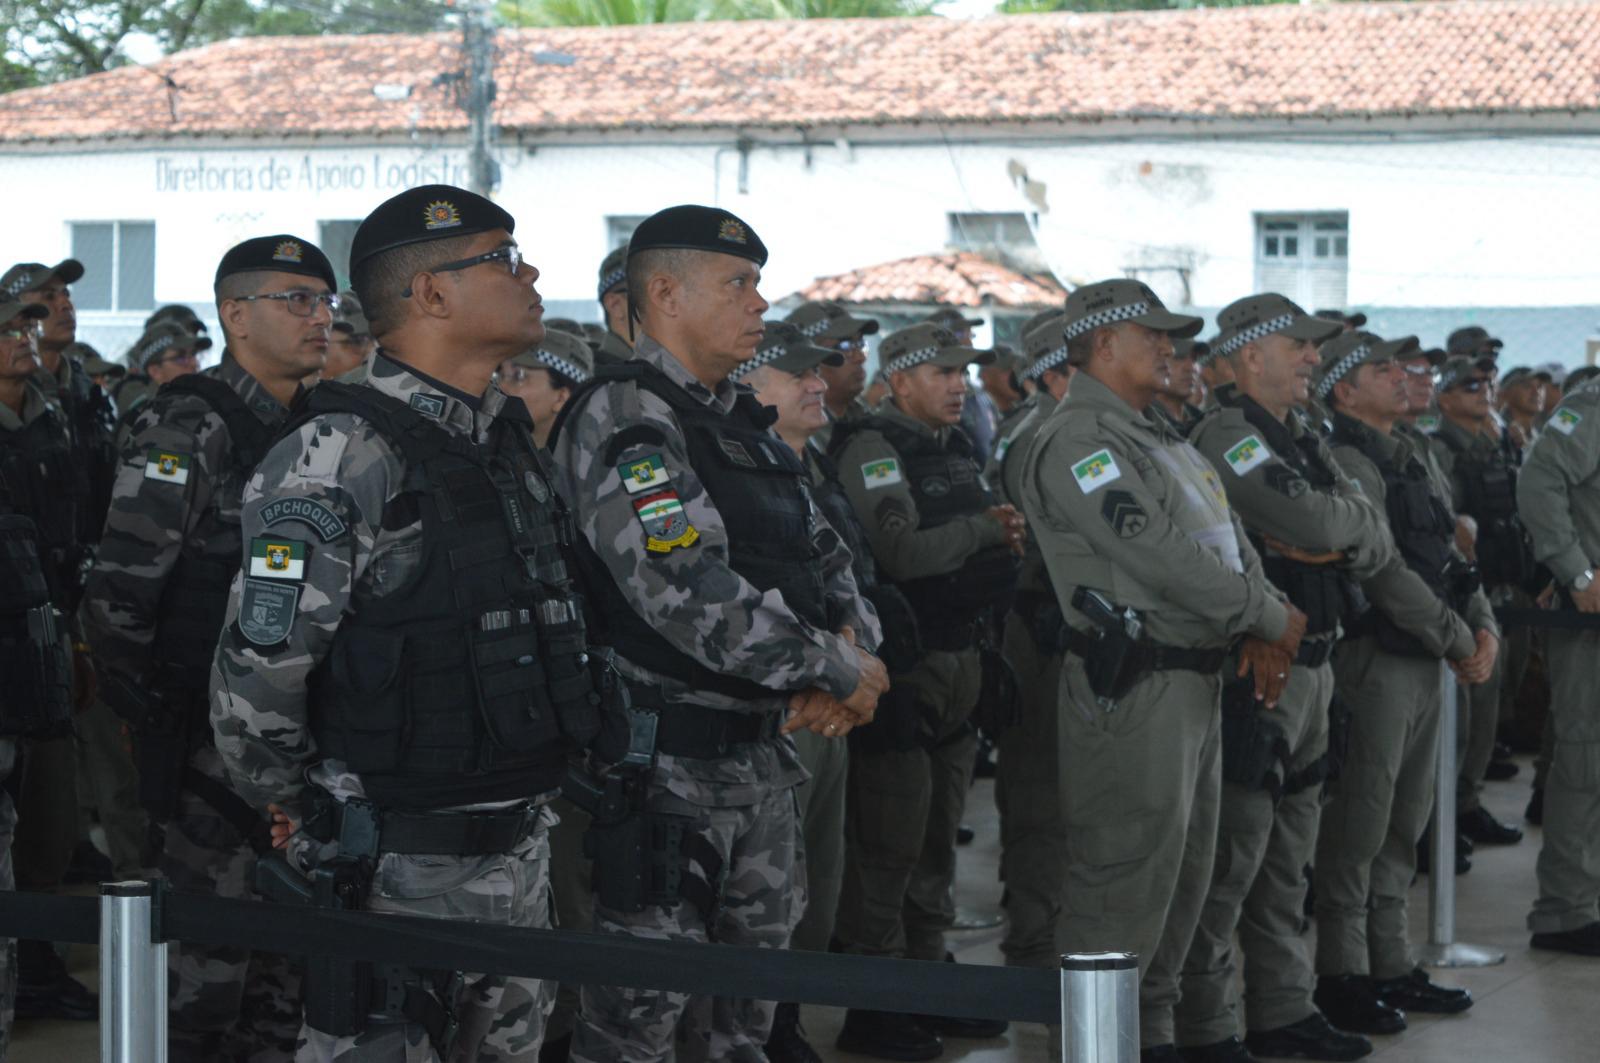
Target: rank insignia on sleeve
pixel 884 472
pixel 1246 454
pixel 1095 471
pixel 277 559
pixel 1565 420
pixel 170 466
pixel 666 525
pixel 266 611
pixel 646 474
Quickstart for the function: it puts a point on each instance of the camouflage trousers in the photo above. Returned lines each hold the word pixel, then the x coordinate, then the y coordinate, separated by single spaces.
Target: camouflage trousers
pixel 572 897
pixel 8 946
pixel 501 1019
pixel 223 1003
pixel 759 896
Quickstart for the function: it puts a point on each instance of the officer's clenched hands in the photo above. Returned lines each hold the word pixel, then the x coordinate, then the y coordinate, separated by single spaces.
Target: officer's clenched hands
pixel 281 828
pixel 1014 524
pixel 1477 668
pixel 1294 629
pixel 1588 599
pixel 1270 666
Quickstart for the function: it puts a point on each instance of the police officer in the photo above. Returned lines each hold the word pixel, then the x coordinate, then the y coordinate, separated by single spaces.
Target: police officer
pixel 617 345
pixel 401 534
pixel 1422 607
pixel 545 377
pixel 1316 534
pixel 1558 498
pixel 35 647
pixel 1172 403
pixel 1481 465
pixel 350 341
pixel 1156 580
pixel 830 325
pixel 1027 784
pixel 914 481
pixel 692 517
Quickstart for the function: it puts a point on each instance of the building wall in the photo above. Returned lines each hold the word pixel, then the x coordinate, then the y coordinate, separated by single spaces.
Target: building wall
pixel 1435 222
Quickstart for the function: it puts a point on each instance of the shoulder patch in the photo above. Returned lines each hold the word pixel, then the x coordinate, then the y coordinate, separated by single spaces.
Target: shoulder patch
pixel 666 525
pixel 649 473
pixel 892 514
pixel 1123 512
pixel 885 472
pixel 278 559
pixel 1285 480
pixel 266 611
pixel 168 466
pixel 1564 420
pixel 1249 453
pixel 1095 471
pixel 322 520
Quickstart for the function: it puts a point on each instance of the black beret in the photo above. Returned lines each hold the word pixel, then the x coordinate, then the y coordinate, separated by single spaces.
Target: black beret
pixel 694 228
pixel 432 212
pixel 277 254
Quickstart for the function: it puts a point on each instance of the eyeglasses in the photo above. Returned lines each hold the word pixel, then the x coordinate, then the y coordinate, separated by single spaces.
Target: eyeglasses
pixel 1419 370
pixel 21 332
pixel 300 301
pixel 845 346
pixel 510 255
pixel 1475 385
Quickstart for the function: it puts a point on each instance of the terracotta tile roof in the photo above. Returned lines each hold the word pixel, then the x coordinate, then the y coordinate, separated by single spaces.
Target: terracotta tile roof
pixel 1338 59
pixel 960 279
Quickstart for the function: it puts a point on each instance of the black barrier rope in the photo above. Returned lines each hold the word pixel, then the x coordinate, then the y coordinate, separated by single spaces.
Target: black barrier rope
pixel 970 990
pixel 1564 619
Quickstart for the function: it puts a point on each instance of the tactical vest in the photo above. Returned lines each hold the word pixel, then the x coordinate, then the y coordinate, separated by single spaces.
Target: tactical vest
pixel 945 485
pixel 1489 496
pixel 760 490
pixel 1319 591
pixel 93 424
pixel 194 602
pixel 470 682
pixel 1422 527
pixel 36 461
pixel 37 698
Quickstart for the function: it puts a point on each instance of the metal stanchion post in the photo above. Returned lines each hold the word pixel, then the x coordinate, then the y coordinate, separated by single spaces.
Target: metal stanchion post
pixel 1442 949
pixel 1099 1007
pixel 133 976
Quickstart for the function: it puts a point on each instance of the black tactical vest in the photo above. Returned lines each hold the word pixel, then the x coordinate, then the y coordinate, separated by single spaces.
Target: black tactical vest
pixel 1319 591
pixel 38 471
pixel 470 683
pixel 1422 527
pixel 946 484
pixel 37 698
pixel 760 490
pixel 93 422
pixel 1489 496
pixel 195 600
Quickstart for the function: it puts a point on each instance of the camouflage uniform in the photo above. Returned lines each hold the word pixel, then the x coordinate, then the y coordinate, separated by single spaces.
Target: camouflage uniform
pixel 8 946
pixel 743 802
pixel 340 466
pixel 222 1001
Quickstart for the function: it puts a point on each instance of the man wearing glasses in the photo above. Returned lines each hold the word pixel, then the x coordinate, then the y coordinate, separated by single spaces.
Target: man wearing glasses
pixel 832 326
pixel 156 600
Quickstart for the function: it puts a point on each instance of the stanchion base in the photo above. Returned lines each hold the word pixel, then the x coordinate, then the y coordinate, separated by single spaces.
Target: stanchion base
pixel 977 918
pixel 1459 955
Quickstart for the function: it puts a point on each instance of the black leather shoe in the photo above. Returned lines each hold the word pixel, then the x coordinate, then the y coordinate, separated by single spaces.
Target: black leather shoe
pixel 1417 992
pixel 787 1042
pixel 1230 1051
pixel 1160 1054
pixel 1500 771
pixel 1480 826
pixel 1310 1038
pixel 887 1035
pixel 973 1029
pixel 1534 813
pixel 1584 941
pixel 1425 856
pixel 1351 1002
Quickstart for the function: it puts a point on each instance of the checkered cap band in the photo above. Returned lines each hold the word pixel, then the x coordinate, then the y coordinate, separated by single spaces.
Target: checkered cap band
pixel 1045 362
pixel 1253 333
pixel 1109 316
pixel 612 279
pixel 764 356
pixel 911 359
pixel 567 369
pixel 816 328
pixel 156 346
pixel 20 284
pixel 1341 367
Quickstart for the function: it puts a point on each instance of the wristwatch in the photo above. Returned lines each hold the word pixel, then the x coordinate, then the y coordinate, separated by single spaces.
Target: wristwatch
pixel 1580 583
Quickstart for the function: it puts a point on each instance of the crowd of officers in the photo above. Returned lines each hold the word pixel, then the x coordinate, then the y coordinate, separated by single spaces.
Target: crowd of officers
pixel 418 602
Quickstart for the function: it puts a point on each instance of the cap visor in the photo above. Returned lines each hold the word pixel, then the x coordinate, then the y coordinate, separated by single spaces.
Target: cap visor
pixel 70 270
pixel 846 327
pixel 1355 320
pixel 949 356
pixel 805 358
pixel 202 343
pixel 1403 347
pixel 1181 325
pixel 1315 329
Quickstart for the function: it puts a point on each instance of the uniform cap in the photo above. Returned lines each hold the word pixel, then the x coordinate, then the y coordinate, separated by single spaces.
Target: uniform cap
pixel 1580 376
pixel 828 322
pixel 1344 354
pixel 431 212
pixel 1399 350
pixel 350 317
pixel 1470 339
pixel 1522 374
pixel 1436 356
pixel 183 315
pixel 613 271
pixel 1257 316
pixel 786 346
pixel 277 254
pixel 1458 369
pixel 1038 319
pixel 691 227
pixel 1008 358
pixel 1044 345
pixel 92 361
pixel 922 344
pixel 1190 348
pixel 31 276
pixel 1114 301
pixel 12 308
pixel 951 318
pixel 164 336
pixel 563 324
pixel 563 352
pixel 1355 320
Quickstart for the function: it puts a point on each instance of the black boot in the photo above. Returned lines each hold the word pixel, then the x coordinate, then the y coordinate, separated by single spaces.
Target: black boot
pixel 1351 1002
pixel 1417 992
pixel 887 1035
pixel 1534 813
pixel 1310 1038
pixel 1583 941
pixel 1480 826
pixel 1230 1051
pixel 787 1042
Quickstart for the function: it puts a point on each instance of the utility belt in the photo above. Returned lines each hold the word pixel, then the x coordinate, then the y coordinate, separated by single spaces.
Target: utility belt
pixel 1046 623
pixel 706 734
pixel 478 833
pixel 1456 585
pixel 1314 653
pixel 1255 750
pixel 1116 655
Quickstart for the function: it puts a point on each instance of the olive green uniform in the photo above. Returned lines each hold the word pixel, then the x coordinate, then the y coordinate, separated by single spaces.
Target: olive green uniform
pixel 1121 506
pixel 1268 830
pixel 1559 499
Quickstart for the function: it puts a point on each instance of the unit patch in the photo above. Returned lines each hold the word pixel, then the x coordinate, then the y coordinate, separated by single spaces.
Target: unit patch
pixel 885 472
pixel 1095 471
pixel 266 611
pixel 1123 512
pixel 1247 454
pixel 431 405
pixel 666 525
pixel 278 559
pixel 322 520
pixel 1285 480
pixel 1563 420
pixel 646 474
pixel 171 466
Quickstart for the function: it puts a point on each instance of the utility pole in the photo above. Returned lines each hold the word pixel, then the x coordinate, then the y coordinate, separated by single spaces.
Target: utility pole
pixel 478 36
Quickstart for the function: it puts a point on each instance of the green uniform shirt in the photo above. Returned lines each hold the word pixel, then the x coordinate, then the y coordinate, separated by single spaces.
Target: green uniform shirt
pixel 1005 473
pixel 1557 493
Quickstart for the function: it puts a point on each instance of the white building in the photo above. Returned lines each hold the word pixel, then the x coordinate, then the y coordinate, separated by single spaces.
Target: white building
pixel 1430 164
